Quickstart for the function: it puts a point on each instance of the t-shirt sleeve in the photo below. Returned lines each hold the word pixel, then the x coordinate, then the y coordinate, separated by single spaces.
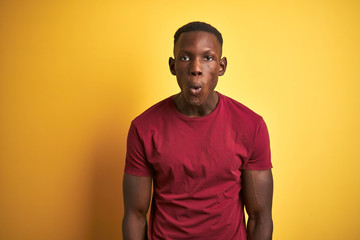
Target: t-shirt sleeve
pixel 136 162
pixel 260 158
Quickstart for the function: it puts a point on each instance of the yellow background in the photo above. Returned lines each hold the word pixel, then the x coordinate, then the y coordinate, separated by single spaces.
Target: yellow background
pixel 73 74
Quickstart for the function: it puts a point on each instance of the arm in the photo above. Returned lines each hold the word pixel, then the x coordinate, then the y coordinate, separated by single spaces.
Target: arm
pixel 137 192
pixel 257 192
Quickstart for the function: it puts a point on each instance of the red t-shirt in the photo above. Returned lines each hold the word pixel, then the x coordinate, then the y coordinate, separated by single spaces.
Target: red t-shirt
pixel 196 165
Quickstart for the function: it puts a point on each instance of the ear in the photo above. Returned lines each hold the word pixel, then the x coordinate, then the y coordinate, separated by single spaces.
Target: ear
pixel 223 64
pixel 172 65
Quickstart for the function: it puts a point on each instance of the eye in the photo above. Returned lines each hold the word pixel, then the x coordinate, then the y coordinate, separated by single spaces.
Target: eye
pixel 208 58
pixel 184 58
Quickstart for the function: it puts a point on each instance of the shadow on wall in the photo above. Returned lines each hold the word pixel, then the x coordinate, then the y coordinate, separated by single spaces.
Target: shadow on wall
pixel 106 202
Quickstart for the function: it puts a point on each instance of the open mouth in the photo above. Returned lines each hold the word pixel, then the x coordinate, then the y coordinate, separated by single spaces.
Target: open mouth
pixel 195 88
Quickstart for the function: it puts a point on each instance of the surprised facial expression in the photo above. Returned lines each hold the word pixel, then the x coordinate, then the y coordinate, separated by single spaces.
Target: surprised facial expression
pixel 197 66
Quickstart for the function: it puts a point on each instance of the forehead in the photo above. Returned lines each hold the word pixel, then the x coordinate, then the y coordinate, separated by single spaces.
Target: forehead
pixel 197 41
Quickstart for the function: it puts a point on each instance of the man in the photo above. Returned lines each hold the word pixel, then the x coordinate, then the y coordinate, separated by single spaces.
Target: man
pixel 205 154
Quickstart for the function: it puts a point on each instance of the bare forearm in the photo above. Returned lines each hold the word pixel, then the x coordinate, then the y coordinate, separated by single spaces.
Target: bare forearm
pixel 259 228
pixel 134 227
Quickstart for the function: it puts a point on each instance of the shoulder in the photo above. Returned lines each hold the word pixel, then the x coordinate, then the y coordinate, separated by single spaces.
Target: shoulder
pixel 154 113
pixel 239 112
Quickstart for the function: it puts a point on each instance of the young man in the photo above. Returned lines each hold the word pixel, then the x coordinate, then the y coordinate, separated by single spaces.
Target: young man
pixel 205 154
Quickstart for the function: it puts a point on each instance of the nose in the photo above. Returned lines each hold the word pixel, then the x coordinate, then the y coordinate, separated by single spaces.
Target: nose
pixel 195 68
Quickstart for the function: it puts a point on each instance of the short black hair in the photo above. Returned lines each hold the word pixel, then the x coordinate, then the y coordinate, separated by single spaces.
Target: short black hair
pixel 198 26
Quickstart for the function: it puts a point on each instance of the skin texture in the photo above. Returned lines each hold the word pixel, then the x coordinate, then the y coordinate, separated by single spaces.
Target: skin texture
pixel 197 66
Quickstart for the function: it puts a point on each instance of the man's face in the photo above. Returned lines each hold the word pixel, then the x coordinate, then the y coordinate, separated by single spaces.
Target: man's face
pixel 197 65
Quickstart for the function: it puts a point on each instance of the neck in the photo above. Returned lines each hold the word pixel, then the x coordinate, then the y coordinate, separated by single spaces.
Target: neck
pixel 190 110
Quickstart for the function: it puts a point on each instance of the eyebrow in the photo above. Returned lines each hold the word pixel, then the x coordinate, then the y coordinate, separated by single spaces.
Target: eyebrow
pixel 205 52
